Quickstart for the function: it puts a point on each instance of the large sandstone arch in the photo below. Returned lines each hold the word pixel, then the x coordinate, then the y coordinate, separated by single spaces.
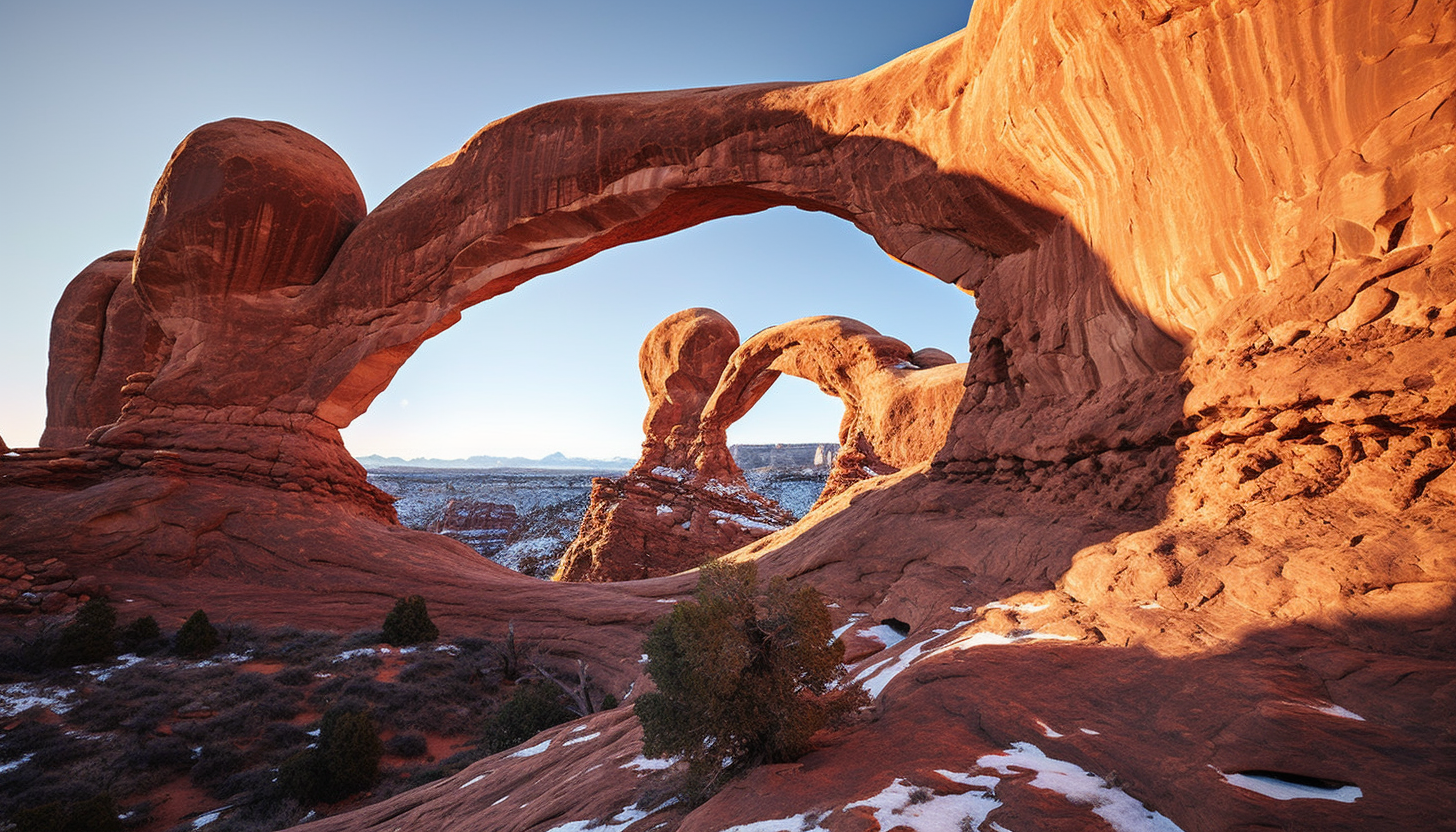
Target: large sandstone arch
pixel 334 327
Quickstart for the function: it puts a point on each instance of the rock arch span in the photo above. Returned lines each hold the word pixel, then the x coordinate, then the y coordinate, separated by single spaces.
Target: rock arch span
pixel 291 319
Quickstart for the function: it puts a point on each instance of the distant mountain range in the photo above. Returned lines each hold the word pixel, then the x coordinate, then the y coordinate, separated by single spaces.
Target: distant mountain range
pixel 803 455
pixel 556 460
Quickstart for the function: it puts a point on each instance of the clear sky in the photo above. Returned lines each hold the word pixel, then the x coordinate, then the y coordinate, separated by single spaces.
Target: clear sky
pixel 94 96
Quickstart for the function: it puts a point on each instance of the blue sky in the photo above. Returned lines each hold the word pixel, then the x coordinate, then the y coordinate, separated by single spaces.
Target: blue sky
pixel 95 96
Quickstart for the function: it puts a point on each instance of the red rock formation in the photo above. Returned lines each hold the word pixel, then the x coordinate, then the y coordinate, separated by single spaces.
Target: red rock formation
pixel 1207 430
pixel 99 337
pixel 679 506
pixel 896 412
pixel 475 515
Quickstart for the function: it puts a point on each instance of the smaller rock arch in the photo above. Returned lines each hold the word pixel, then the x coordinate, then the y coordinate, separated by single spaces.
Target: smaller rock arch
pixel 686 501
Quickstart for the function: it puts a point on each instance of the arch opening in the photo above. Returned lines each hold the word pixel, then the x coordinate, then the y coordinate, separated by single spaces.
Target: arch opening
pixel 501 384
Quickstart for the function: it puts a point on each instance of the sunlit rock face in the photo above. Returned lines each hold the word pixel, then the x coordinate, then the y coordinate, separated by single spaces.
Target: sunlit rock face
pixel 1196 498
pixel 896 411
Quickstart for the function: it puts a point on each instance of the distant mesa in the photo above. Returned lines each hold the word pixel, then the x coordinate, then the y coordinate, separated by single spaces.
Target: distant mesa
pixel 484 526
pixel 784 457
pixel 551 461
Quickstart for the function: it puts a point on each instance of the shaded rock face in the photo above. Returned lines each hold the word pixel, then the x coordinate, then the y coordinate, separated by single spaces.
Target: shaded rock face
pixel 1196 498
pixel 484 525
pixel 685 501
pixel 100 337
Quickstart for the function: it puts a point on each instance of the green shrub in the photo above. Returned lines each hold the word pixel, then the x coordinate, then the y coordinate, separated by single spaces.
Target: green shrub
pixel 409 623
pixel 745 675
pixel 90 637
pixel 198 637
pixel 407 745
pixel 346 760
pixel 141 636
pixel 608 702
pixel 535 707
pixel 94 814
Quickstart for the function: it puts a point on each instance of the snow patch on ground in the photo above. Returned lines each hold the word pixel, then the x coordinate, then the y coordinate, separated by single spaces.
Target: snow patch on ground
pixel 122 662
pixel 641 763
pixel 1121 811
pixel 590 736
pixel 902 805
pixel 854 618
pixel 15 764
pixel 664 509
pixel 354 654
pixel 721 517
pixel 1047 730
pixel 476 779
pixel 208 817
pixel 884 634
pixel 670 473
pixel 807 822
pixel 876 676
pixel 1328 708
pixel 623 819
pixel 22 696
pixel 1283 790
pixel 533 750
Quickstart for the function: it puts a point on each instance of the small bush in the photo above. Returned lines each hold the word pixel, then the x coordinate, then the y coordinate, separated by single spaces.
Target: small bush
pixel 293 677
pixel 534 708
pixel 90 637
pixel 408 746
pixel 346 760
pixel 197 638
pixel 745 675
pixel 94 814
pixel 608 702
pixel 282 735
pixel 141 636
pixel 409 623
